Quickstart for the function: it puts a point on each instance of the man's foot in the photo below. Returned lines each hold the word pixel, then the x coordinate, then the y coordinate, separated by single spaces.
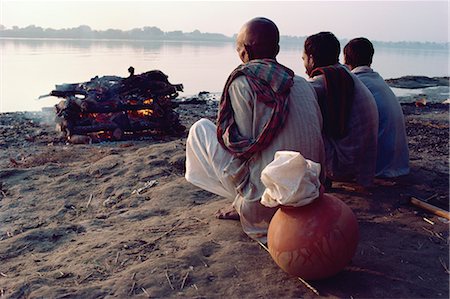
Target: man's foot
pixel 227 213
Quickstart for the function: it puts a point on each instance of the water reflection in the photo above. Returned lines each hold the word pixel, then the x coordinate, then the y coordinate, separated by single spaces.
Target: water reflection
pixel 30 68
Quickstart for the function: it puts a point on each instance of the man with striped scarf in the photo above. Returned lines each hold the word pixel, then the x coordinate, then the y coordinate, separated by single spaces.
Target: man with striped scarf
pixel 264 108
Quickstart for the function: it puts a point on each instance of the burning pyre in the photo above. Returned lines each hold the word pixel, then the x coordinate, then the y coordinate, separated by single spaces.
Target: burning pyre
pixel 116 108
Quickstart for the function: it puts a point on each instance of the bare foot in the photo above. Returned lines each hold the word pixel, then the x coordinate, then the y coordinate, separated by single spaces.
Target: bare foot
pixel 227 213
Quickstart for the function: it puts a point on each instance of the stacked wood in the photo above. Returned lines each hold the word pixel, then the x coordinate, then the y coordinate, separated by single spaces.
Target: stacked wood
pixel 117 107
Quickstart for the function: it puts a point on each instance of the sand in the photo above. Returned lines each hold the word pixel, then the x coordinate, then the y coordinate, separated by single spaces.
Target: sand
pixel 118 220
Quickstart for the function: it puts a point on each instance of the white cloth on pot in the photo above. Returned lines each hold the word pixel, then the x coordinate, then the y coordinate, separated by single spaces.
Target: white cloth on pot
pixel 290 180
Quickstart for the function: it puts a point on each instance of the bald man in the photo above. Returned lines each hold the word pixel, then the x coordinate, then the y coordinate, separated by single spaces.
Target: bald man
pixel 264 108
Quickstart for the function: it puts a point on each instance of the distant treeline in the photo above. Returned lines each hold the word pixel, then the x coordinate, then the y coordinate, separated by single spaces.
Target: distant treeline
pixel 152 33
pixel 85 32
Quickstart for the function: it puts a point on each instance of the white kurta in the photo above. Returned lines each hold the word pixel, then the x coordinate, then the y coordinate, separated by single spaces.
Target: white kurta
pixel 353 156
pixel 393 153
pixel 211 167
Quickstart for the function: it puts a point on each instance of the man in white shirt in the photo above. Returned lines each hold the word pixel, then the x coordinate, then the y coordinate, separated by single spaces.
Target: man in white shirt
pixel 264 108
pixel 392 153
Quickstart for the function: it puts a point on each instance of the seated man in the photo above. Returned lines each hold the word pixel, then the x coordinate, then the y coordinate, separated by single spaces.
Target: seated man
pixel 350 117
pixel 392 153
pixel 264 108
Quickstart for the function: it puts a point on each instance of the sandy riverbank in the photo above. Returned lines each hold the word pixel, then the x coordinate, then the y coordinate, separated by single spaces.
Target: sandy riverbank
pixel 118 219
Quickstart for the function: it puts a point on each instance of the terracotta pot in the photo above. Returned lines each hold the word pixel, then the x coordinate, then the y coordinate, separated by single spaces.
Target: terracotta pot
pixel 314 241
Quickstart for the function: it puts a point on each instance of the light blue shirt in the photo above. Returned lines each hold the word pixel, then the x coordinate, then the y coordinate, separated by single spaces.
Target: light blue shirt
pixel 392 152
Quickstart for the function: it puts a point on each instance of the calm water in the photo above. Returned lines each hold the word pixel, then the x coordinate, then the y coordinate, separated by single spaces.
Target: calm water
pixel 30 68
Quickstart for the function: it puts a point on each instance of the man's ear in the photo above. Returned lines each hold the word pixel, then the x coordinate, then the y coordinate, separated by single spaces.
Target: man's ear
pixel 249 52
pixel 277 50
pixel 312 61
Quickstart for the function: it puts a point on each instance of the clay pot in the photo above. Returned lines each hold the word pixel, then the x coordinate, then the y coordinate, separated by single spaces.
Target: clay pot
pixel 313 241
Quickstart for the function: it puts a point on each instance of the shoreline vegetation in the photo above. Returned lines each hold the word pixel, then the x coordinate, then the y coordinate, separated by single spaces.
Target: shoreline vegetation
pixel 152 33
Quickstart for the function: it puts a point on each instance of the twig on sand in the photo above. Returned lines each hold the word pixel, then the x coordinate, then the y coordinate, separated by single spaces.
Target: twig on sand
pixel 262 245
pixel 431 197
pixel 168 279
pixel 184 280
pixel 306 284
pixel 185 277
pixel 314 290
pixel 444 265
pixel 167 232
pixel 3 274
pixel 132 288
pixel 377 250
pixel 428 220
pixel 147 185
pixel 203 262
pixel 199 220
pixel 434 234
pixel 117 257
pixel 131 292
pixel 145 291
pixel 86 277
pixel 89 201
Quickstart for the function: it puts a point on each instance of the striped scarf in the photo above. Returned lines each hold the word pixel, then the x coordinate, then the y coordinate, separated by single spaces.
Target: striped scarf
pixel 271 82
pixel 337 103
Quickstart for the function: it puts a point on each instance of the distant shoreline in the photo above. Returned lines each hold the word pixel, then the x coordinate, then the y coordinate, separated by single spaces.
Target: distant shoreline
pixel 155 34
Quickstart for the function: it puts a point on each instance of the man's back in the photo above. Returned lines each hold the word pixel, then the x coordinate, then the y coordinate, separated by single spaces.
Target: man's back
pixel 355 154
pixel 393 154
pixel 301 132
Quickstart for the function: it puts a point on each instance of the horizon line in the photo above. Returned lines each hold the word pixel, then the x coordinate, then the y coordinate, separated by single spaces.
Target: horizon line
pixel 184 32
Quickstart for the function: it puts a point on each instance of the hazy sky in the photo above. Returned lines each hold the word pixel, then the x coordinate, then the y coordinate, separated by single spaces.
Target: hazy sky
pixel 377 20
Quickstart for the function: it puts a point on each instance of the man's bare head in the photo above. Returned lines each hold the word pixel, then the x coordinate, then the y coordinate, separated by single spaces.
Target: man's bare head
pixel 258 39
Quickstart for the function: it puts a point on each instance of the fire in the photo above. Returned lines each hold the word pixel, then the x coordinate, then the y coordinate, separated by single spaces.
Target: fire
pixel 144 112
pixel 114 108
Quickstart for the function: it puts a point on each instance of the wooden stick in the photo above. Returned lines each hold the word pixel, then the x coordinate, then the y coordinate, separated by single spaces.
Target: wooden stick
pixel 145 291
pixel 168 279
pixel 89 201
pixel 435 210
pixel 444 265
pixel 428 220
pixel 299 278
pixel 309 286
pixel 132 289
pixel 167 232
pixel 184 280
pixel 89 275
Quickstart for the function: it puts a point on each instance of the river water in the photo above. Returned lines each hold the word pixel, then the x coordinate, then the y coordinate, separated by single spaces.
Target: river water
pixel 30 68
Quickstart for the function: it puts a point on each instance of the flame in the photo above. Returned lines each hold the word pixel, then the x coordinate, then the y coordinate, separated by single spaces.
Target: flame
pixel 144 112
pixel 98 118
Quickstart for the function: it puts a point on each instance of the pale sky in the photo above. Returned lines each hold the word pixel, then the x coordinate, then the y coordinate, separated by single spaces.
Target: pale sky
pixel 376 20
